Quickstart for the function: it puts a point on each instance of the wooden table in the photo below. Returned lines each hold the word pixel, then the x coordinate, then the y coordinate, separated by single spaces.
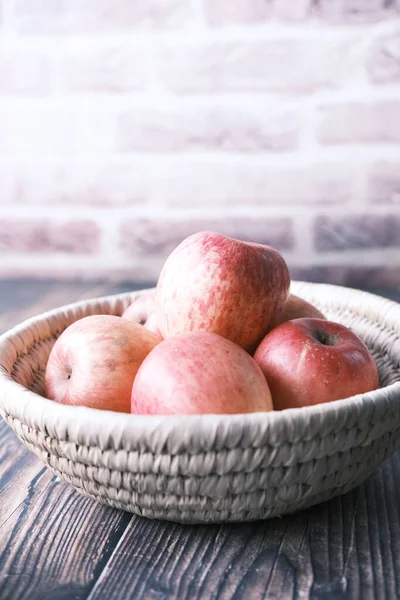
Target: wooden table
pixel 58 545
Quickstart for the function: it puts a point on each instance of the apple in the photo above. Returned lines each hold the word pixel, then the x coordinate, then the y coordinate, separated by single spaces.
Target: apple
pixel 199 373
pixel 143 311
pixel 95 360
pixel 296 308
pixel 152 324
pixel 221 285
pixel 310 361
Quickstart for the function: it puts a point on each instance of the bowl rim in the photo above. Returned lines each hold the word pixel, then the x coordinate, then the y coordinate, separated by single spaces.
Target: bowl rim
pixel 184 433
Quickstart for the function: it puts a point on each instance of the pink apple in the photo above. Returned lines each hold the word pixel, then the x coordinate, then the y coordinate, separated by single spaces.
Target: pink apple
pixel 309 361
pixel 198 373
pixel 152 324
pixel 296 308
pixel 217 284
pixel 143 311
pixel 95 360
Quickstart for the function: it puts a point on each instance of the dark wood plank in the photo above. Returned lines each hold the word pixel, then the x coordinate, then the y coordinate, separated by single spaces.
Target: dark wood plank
pixel 348 548
pixel 392 294
pixel 122 287
pixel 19 294
pixel 373 568
pixel 56 543
pixel 16 306
pixel 18 468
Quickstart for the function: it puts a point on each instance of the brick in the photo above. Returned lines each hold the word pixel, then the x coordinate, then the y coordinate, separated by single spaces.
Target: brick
pixel 48 129
pixel 383 59
pixel 357 232
pixel 287 9
pixel 114 68
pixel 181 183
pixel 359 122
pixel 265 65
pixel 158 237
pixel 72 16
pixel 24 73
pixel 384 184
pixel 44 236
pixel 199 127
pixel 238 183
pixel 223 12
pixel 355 10
pixel 100 183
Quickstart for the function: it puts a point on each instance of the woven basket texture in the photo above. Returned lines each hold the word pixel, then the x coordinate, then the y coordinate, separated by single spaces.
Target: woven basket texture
pixel 209 468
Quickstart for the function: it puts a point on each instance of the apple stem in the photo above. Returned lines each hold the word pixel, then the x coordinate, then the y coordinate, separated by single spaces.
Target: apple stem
pixel 324 338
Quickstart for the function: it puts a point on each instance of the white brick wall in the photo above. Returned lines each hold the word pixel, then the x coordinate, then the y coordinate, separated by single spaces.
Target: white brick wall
pixel 125 126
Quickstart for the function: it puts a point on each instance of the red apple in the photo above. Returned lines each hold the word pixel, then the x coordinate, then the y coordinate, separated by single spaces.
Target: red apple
pixel 296 308
pixel 143 311
pixel 95 360
pixel 217 284
pixel 198 373
pixel 309 361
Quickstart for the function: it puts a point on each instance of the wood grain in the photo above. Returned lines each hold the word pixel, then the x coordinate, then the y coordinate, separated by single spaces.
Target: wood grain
pixel 56 543
pixel 17 469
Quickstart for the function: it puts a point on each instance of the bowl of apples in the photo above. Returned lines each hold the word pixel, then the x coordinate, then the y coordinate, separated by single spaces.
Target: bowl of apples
pixel 228 393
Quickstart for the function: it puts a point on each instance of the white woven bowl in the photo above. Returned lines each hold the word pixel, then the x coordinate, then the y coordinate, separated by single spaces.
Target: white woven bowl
pixel 209 468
